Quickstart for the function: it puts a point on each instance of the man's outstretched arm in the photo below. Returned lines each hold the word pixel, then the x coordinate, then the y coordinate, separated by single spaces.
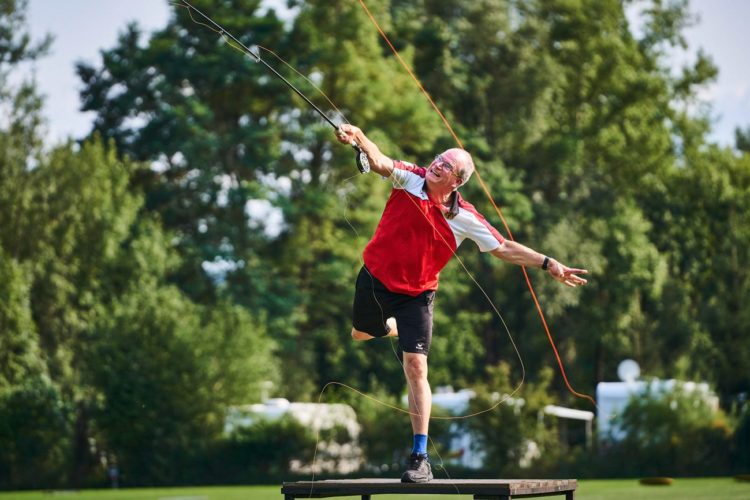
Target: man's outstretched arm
pixel 515 253
pixel 379 163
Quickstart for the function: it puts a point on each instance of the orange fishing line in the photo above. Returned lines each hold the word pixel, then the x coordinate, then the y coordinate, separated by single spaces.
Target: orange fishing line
pixel 489 196
pixel 244 50
pixel 486 191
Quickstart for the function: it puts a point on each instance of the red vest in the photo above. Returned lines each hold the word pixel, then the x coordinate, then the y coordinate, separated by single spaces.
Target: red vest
pixel 414 241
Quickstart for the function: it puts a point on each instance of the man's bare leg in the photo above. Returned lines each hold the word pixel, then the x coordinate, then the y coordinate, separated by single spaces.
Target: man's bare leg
pixel 420 395
pixel 420 405
pixel 359 335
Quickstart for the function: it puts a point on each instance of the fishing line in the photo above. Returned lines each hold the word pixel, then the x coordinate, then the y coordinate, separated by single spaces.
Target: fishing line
pixel 244 51
pixel 217 28
pixel 506 397
pixel 489 196
pixel 363 164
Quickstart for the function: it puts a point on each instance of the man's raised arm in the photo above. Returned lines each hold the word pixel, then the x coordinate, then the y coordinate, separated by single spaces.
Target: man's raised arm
pixel 379 163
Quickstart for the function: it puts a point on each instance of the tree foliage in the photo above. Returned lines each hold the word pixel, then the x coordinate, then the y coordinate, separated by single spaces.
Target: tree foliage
pixel 205 237
pixel 670 433
pixel 514 433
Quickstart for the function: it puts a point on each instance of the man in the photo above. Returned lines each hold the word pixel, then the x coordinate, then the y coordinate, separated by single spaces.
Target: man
pixel 424 221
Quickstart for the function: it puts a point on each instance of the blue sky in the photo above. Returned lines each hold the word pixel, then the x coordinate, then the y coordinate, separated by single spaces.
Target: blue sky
pixel 83 27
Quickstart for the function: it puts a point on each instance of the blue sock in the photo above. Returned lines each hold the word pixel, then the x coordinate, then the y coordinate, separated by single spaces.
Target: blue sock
pixel 420 444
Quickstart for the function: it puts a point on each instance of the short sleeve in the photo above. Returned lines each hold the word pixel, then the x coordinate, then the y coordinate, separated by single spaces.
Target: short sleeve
pixel 407 176
pixel 471 224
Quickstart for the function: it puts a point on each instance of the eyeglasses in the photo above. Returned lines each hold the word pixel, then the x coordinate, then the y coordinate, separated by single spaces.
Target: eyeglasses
pixel 446 166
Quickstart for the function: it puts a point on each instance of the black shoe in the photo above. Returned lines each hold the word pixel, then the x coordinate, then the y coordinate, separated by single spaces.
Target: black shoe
pixel 418 471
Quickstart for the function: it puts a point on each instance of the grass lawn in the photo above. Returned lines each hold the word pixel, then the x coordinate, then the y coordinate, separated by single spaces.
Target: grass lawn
pixel 709 489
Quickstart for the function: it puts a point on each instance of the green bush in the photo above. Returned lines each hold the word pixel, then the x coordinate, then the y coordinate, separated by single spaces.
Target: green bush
pixel 35 432
pixel 675 433
pixel 741 449
pixel 506 432
pixel 258 454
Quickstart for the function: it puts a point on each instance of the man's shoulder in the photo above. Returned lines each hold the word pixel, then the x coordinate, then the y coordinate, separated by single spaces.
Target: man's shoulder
pixel 475 221
pixel 408 176
pixel 465 205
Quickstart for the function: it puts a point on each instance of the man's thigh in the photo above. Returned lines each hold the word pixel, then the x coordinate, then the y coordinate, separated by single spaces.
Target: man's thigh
pixel 371 308
pixel 414 320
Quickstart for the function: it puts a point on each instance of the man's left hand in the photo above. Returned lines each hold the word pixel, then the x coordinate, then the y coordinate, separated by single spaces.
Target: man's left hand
pixel 566 275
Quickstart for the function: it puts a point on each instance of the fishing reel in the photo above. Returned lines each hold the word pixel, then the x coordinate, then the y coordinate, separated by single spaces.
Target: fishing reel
pixel 363 163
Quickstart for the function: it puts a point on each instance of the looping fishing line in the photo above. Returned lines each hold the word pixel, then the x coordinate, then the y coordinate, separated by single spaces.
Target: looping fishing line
pixel 230 40
pixel 489 196
pixel 506 397
pixel 245 51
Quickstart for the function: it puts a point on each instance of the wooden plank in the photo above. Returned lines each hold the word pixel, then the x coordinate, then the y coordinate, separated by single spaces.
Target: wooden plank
pixel 481 488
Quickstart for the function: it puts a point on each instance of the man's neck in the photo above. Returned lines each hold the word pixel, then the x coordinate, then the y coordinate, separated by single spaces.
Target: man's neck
pixel 441 196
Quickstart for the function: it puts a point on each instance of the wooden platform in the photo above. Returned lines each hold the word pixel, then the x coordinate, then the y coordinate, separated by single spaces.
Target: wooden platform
pixel 481 489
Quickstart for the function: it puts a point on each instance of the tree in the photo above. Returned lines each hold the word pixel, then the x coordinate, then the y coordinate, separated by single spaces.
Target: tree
pixel 79 256
pixel 703 228
pixel 562 100
pixel 206 118
pixel 742 139
pixel 20 143
pixel 35 419
pixel 670 432
pixel 35 433
pixel 20 355
pixel 224 116
pixel 166 371
pixel 505 433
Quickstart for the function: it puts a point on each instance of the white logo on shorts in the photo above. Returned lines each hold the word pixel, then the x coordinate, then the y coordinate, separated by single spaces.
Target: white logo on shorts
pixel 420 345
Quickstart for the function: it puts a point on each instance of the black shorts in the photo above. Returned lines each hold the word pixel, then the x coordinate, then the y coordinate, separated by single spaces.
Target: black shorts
pixel 374 303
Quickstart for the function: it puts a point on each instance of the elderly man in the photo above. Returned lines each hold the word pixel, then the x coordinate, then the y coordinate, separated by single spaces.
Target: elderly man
pixel 424 221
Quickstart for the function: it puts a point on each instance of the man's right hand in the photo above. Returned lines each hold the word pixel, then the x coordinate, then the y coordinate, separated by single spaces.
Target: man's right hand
pixel 346 134
pixel 351 135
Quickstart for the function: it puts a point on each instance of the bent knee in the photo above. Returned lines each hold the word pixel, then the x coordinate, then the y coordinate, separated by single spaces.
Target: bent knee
pixel 359 335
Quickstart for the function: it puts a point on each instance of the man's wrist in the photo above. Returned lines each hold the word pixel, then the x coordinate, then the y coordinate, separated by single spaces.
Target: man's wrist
pixel 545 263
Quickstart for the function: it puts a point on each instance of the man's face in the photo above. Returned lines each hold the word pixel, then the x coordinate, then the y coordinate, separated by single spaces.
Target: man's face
pixel 443 173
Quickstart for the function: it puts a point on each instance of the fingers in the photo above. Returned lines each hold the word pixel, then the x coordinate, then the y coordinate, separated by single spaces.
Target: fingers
pixel 568 282
pixel 569 276
pixel 344 133
pixel 575 280
pixel 570 279
pixel 340 132
pixel 570 270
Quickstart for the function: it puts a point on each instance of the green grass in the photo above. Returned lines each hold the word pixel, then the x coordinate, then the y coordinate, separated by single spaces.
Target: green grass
pixel 705 489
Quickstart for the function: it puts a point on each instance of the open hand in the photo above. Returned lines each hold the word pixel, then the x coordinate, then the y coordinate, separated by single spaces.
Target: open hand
pixel 566 275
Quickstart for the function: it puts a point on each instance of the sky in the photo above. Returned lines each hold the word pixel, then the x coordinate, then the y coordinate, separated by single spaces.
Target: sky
pixel 84 27
pixel 81 28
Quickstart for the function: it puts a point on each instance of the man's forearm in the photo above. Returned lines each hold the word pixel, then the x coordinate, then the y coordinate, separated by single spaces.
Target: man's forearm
pixel 379 162
pixel 516 253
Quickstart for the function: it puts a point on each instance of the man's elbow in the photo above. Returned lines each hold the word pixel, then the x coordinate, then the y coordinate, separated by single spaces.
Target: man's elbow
pixel 383 166
pixel 501 252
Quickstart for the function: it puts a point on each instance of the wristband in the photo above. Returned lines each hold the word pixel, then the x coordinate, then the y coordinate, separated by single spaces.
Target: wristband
pixel 545 264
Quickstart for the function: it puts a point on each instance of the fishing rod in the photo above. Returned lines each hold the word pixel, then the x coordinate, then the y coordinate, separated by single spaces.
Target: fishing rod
pixel 363 163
